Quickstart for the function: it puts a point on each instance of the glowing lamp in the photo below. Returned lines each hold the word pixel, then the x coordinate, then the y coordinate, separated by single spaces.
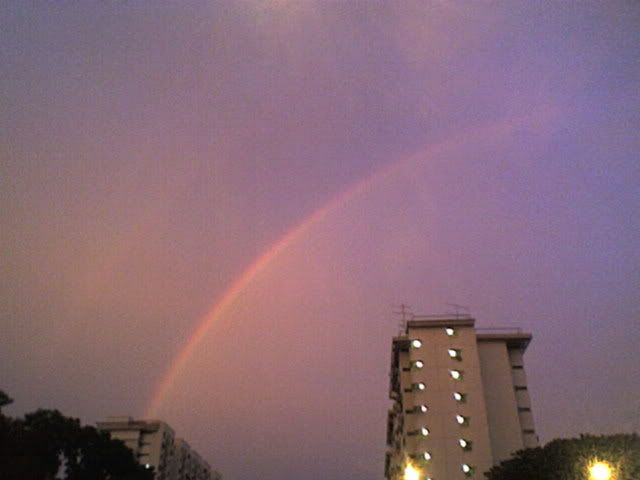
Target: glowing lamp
pixel 600 471
pixel 411 472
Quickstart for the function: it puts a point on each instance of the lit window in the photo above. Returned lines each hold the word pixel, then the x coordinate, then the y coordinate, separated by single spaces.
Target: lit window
pixel 455 353
pixel 462 420
pixel 418 364
pixel 459 397
pixel 464 444
pixel 424 431
pixel 467 469
pixel 416 343
pixel 419 386
pixel 426 456
pixel 456 374
pixel 450 331
pixel 418 409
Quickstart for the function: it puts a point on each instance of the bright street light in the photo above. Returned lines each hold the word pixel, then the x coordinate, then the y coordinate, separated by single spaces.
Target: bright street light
pixel 411 472
pixel 600 471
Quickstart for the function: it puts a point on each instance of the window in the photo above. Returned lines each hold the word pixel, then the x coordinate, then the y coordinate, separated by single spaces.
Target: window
pixel 418 364
pixel 416 343
pixel 450 331
pixel 528 431
pixel 465 444
pixel 416 387
pixel 519 388
pixel 462 420
pixel 424 431
pixel 456 374
pixel 455 353
pixel 417 409
pixel 517 367
pixel 524 409
pixel 467 469
pixel 426 456
pixel 460 397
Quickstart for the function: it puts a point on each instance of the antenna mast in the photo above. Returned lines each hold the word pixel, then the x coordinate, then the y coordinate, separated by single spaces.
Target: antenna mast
pixel 405 314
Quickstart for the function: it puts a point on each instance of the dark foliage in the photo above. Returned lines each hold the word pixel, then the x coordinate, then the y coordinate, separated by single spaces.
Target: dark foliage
pixel 5 400
pixel 45 443
pixel 569 459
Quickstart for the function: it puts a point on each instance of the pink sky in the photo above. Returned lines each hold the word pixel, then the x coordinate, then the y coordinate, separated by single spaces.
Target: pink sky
pixel 484 154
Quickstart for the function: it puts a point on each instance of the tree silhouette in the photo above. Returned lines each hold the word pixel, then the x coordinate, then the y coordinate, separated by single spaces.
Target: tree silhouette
pixel 4 400
pixel 569 459
pixel 46 445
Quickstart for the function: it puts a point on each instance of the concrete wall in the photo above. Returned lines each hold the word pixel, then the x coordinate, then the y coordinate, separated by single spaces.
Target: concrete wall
pixel 523 400
pixel 445 432
pixel 502 407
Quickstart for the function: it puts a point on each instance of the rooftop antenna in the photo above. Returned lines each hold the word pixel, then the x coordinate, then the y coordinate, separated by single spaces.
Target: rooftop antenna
pixel 457 307
pixel 405 314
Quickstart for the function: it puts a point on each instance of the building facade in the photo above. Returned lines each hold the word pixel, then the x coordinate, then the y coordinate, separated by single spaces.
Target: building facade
pixel 188 464
pixel 155 446
pixel 460 400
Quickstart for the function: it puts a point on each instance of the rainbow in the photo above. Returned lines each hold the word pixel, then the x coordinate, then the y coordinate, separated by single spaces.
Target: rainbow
pixel 257 266
pixel 275 250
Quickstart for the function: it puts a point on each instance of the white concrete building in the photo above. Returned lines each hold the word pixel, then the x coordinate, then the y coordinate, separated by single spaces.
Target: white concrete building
pixel 189 465
pixel 461 403
pixel 154 445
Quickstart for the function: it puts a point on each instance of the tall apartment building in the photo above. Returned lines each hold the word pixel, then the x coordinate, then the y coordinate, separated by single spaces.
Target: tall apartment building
pixel 460 399
pixel 154 444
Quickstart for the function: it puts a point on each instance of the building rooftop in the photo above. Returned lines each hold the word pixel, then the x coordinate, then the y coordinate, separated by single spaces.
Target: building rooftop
pixel 514 337
pixel 433 321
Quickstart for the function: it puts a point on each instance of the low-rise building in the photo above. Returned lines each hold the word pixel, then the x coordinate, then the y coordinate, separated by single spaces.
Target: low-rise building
pixel 154 444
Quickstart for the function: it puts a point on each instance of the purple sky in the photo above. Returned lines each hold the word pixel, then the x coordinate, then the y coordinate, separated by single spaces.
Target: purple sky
pixel 150 153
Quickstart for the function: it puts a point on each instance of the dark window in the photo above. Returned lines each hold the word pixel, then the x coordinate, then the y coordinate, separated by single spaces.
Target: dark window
pixel 517 367
pixel 524 409
pixel 528 431
pixel 520 387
